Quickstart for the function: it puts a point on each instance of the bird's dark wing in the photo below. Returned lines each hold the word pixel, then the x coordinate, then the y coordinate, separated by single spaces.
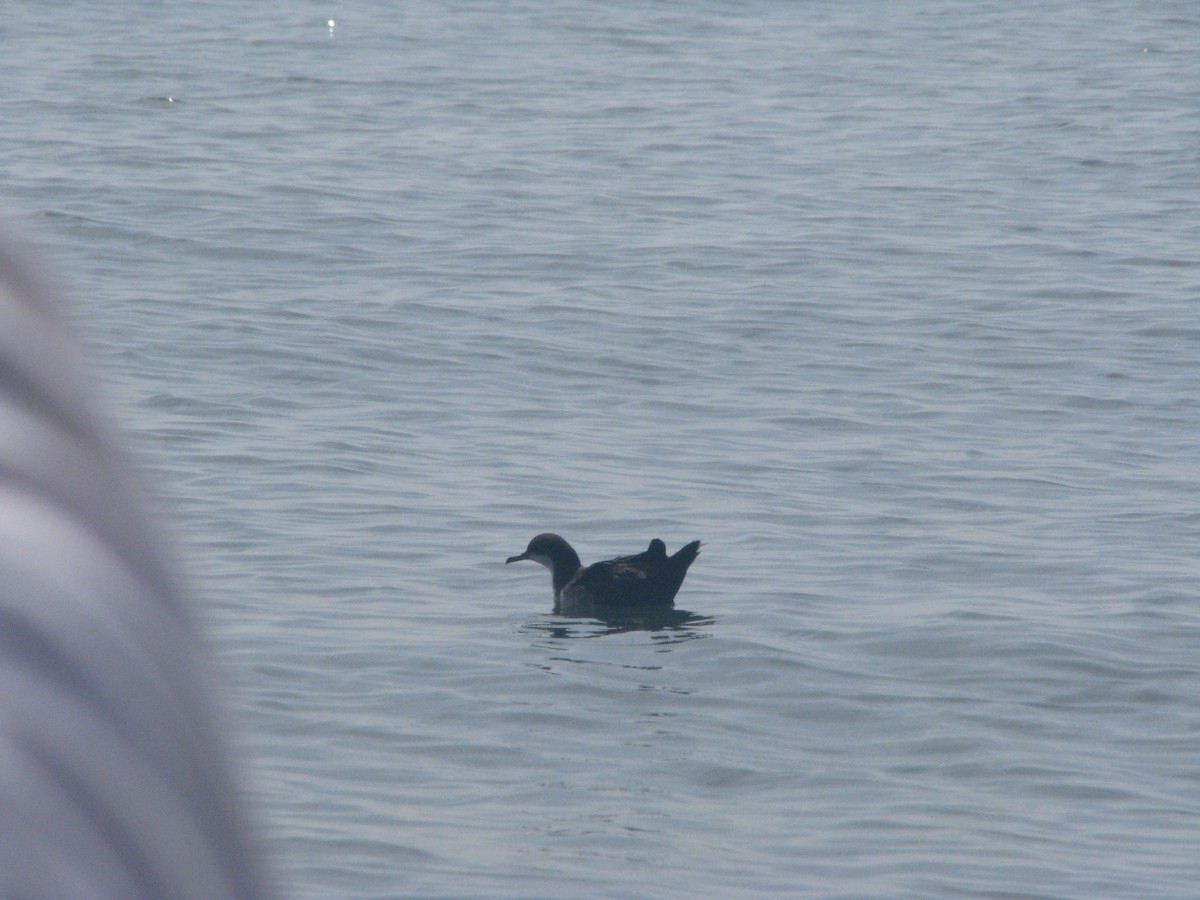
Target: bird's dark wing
pixel 616 582
pixel 627 580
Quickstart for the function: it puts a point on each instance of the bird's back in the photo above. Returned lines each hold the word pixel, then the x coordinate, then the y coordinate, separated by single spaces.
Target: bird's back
pixel 647 579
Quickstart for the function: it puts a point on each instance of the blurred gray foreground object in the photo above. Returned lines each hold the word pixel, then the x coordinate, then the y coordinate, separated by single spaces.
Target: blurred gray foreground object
pixel 114 775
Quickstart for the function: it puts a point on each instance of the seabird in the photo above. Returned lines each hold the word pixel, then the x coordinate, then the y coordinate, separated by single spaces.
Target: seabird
pixel 648 580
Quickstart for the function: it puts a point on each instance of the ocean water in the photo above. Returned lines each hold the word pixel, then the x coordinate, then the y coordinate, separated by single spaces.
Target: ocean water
pixel 895 306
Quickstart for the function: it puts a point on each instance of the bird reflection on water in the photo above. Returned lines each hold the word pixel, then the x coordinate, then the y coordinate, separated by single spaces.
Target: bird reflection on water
pixel 669 626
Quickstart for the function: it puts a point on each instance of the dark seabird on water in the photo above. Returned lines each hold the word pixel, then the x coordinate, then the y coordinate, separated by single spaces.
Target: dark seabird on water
pixel 646 581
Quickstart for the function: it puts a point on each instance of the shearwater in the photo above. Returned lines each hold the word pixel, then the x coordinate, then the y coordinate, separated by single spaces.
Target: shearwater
pixel 646 581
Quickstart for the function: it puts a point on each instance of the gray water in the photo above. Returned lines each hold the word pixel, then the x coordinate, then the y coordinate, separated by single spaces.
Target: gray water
pixel 895 306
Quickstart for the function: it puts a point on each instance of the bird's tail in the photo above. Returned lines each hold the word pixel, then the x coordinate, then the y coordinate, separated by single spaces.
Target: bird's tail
pixel 686 555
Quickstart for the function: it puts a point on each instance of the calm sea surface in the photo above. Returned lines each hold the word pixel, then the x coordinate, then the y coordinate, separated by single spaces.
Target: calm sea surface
pixel 895 306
